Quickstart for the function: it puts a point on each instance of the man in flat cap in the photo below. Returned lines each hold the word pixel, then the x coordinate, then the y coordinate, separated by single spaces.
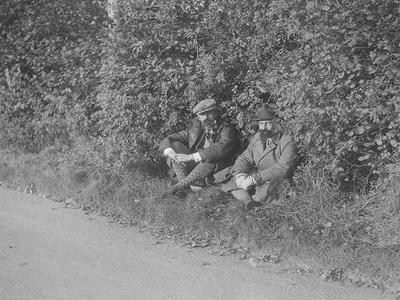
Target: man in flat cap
pixel 207 146
pixel 270 158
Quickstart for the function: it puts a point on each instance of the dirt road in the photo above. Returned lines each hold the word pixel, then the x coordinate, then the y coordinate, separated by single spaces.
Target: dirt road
pixel 49 252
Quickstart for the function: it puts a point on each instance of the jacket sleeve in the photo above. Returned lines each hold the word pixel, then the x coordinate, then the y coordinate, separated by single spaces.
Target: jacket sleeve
pixel 227 145
pixel 245 162
pixel 181 136
pixel 285 165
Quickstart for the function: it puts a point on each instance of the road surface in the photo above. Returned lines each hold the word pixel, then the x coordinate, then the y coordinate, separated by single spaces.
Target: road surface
pixel 50 252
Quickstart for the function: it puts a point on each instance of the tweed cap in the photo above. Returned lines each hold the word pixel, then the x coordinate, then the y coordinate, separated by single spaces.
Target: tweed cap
pixel 266 112
pixel 205 105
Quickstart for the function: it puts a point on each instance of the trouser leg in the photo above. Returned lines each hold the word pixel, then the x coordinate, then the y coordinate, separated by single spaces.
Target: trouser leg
pixel 199 173
pixel 181 170
pixel 261 192
pixel 246 198
pixel 268 191
pixel 242 195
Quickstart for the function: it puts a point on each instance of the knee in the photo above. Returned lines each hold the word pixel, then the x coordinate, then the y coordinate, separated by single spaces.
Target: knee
pixel 242 195
pixel 206 169
pixel 209 166
pixel 179 147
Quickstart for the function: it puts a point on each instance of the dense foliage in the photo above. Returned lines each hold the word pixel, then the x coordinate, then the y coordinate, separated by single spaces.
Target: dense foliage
pixel 332 68
pixel 49 58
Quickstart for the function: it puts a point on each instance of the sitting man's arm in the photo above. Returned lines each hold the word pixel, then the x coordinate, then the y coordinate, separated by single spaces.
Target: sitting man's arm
pixel 284 165
pixel 243 167
pixel 169 152
pixel 182 137
pixel 245 161
pixel 166 147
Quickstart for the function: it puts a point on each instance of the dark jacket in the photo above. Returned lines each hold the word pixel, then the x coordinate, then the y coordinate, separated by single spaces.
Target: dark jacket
pixel 223 148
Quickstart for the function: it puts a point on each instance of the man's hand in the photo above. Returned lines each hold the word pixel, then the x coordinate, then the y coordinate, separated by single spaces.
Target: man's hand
pixel 183 158
pixel 239 179
pixel 244 181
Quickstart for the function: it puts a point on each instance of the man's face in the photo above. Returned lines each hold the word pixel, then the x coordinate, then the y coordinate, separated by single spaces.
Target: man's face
pixel 268 127
pixel 208 118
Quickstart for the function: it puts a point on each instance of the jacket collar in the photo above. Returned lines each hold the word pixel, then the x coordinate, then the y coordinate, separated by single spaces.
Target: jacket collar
pixel 272 141
pixel 275 139
pixel 202 133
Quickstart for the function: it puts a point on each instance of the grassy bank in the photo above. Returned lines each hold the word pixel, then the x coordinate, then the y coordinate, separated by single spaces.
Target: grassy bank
pixel 354 237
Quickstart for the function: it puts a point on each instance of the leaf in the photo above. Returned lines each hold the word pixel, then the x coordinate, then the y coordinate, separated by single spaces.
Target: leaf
pixel 310 5
pixel 324 7
pixel 308 35
pixel 359 130
pixel 365 157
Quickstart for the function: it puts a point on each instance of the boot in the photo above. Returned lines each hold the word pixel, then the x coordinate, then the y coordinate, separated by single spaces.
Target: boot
pixel 198 174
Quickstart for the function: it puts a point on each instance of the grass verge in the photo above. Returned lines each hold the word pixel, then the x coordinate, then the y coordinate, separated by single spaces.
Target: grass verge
pixel 342 236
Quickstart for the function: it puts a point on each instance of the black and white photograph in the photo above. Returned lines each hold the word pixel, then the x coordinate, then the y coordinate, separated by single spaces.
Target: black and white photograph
pixel 200 149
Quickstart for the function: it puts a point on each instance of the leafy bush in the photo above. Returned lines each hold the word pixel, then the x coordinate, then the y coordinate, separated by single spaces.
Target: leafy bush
pixel 69 79
pixel 331 68
pixel 50 53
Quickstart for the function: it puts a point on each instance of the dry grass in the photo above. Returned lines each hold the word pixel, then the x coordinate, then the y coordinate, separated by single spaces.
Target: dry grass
pixel 312 220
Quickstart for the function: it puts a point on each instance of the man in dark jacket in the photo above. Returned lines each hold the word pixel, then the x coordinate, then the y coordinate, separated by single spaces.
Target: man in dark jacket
pixel 269 159
pixel 206 147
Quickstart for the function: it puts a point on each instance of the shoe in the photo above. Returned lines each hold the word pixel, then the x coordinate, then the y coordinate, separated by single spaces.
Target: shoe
pixel 252 204
pixel 176 191
pixel 169 192
pixel 234 204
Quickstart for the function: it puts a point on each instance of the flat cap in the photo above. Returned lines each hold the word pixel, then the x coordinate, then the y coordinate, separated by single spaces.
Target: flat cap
pixel 205 105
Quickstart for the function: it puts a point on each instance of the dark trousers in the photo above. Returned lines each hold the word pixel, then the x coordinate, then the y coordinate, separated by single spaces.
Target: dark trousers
pixel 191 172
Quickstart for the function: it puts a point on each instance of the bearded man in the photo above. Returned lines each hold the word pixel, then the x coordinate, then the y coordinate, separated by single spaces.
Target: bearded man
pixel 207 146
pixel 270 158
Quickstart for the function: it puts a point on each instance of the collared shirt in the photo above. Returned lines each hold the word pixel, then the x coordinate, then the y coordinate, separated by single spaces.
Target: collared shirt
pixel 208 138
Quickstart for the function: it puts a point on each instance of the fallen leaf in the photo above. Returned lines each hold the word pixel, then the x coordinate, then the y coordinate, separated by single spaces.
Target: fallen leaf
pixel 333 275
pixel 243 256
pixel 272 258
pixel 255 262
